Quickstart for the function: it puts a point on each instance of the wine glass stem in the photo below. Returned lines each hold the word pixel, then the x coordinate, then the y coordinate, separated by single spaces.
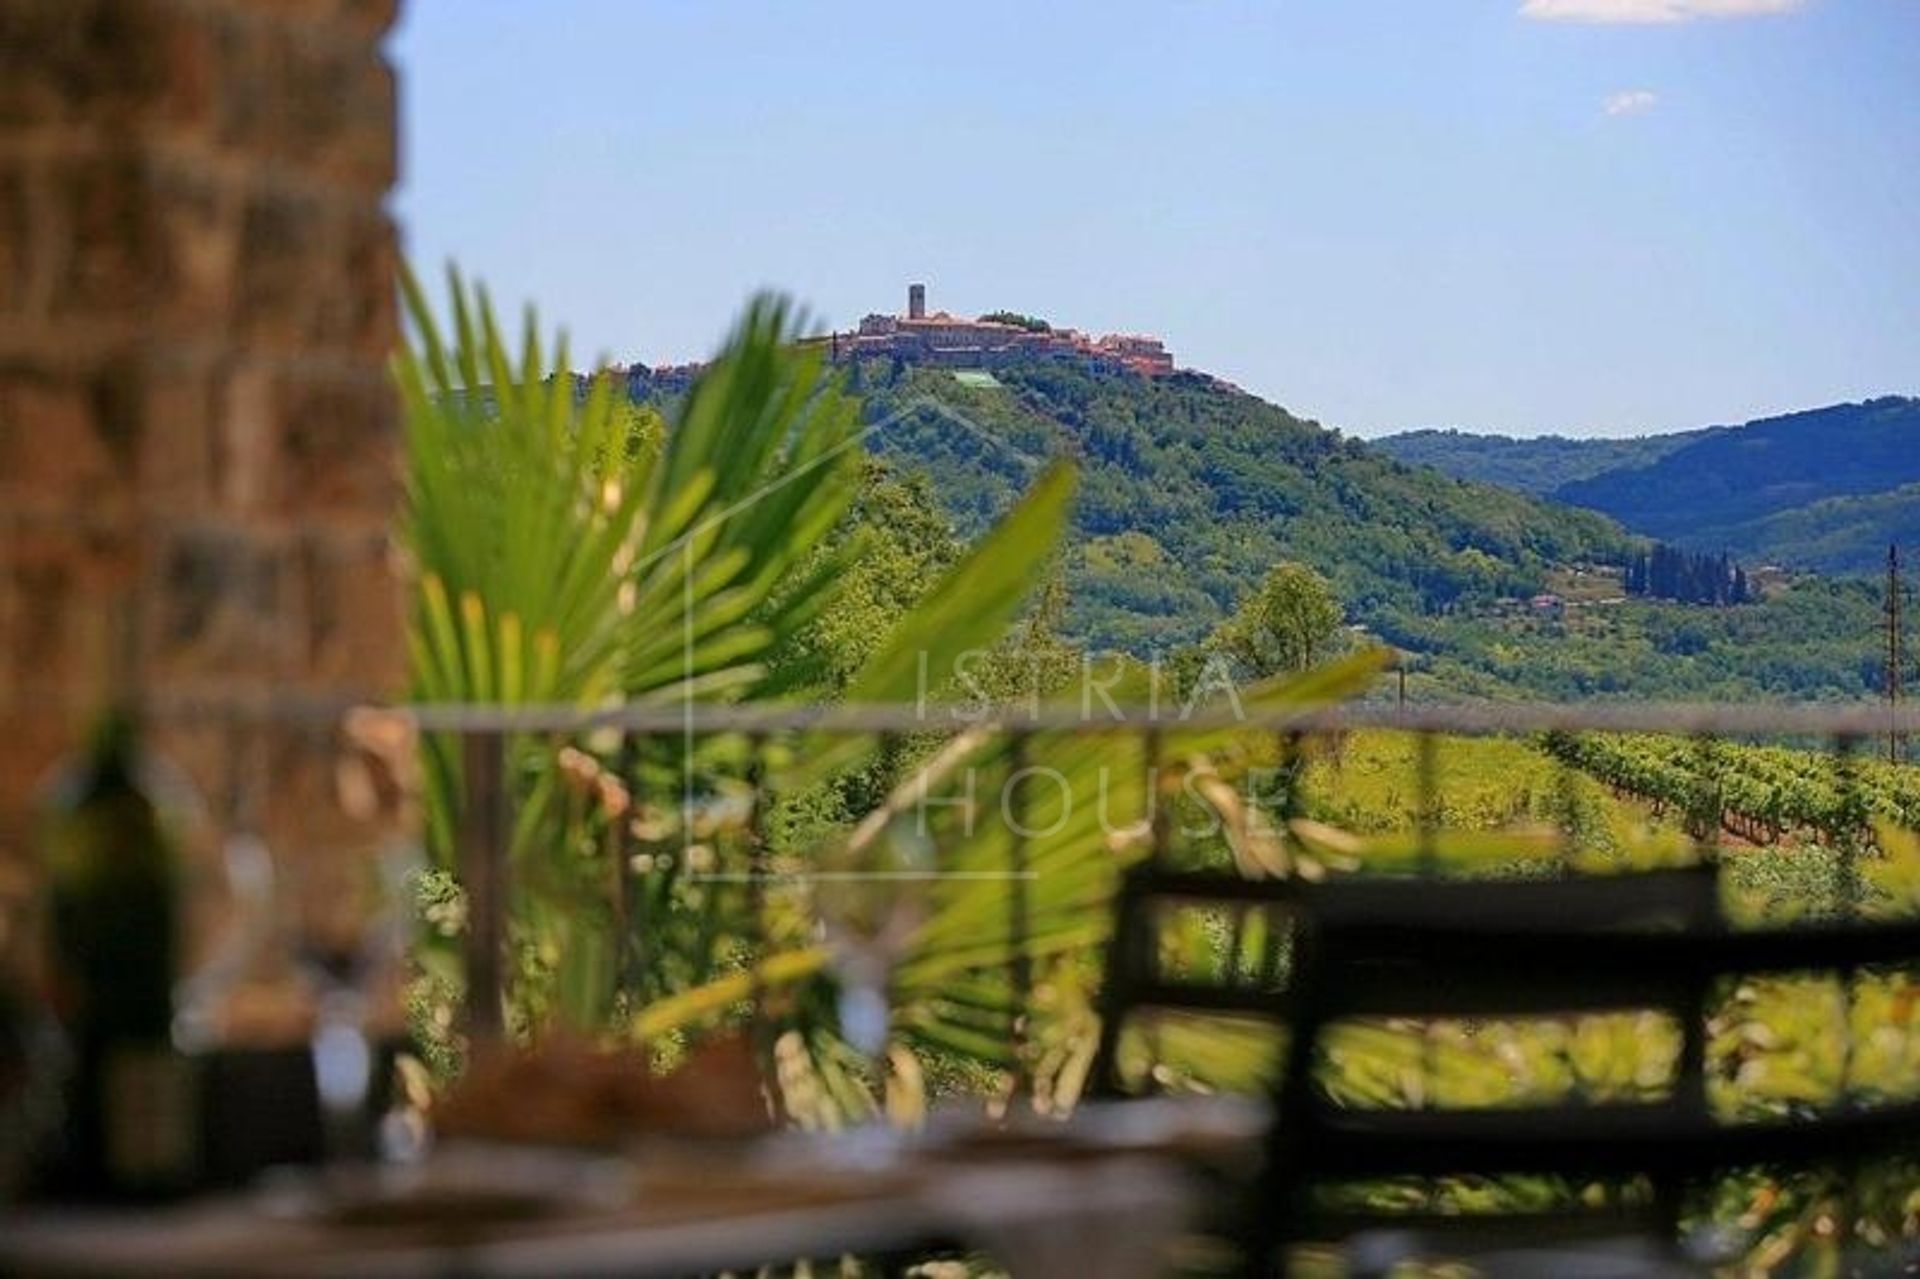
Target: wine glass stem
pixel 343 1072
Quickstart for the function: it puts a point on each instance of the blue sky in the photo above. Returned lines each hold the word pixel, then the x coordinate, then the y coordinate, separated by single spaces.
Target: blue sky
pixel 1585 216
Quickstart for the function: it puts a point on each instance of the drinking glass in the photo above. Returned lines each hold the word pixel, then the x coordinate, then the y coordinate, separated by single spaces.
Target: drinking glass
pixel 351 942
pixel 201 999
pixel 872 898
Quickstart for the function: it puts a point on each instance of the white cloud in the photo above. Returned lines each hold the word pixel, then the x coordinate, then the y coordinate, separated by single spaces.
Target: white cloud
pixel 1650 11
pixel 1630 102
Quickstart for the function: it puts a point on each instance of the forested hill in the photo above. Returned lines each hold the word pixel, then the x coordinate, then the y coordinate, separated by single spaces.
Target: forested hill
pixel 1538 465
pixel 1787 488
pixel 1190 490
pixel 1837 535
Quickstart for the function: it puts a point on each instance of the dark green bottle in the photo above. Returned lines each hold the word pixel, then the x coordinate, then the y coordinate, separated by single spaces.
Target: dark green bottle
pixel 113 876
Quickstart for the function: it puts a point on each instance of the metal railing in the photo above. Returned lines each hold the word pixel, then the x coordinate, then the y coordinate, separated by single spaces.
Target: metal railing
pixel 484 735
pixel 1846 735
pixel 482 744
pixel 1854 720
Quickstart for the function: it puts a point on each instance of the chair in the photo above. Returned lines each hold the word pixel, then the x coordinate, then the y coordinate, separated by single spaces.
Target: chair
pixel 1427 949
pixel 1503 950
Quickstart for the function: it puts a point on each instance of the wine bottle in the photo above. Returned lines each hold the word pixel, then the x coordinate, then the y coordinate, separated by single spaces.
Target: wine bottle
pixel 113 876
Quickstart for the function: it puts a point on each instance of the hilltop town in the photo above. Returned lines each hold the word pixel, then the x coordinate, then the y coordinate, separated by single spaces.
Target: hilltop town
pixel 945 341
pixel 992 340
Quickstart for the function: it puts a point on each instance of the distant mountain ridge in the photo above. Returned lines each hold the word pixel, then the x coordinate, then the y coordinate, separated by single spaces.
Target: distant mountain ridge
pixel 1825 489
pixel 1839 534
pixel 1539 464
pixel 1190 490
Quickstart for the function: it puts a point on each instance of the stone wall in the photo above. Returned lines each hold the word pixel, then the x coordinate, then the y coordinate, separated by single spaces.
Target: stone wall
pixel 197 438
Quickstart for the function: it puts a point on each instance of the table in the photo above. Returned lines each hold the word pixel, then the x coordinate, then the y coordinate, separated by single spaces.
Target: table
pixel 1105 1197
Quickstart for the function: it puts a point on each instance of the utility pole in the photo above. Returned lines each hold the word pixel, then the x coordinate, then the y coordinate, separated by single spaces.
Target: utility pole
pixel 1896 658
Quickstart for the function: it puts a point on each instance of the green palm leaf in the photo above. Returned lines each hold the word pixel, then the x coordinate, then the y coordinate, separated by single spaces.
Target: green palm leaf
pixel 557 565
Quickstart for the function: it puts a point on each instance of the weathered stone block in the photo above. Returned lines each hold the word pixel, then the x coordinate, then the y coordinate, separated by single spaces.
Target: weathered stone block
pixel 30 748
pixel 214 601
pixel 132 433
pixel 79 60
pixel 10 687
pixel 131 235
pixel 364 20
pixel 353 608
pixel 244 108
pixel 16 254
pixel 297 94
pixel 372 264
pixel 172 399
pixel 195 215
pixel 104 240
pixel 65 614
pixel 289 280
pixel 246 440
pixel 56 445
pixel 313 442
pixel 338 446
pixel 333 113
pixel 366 151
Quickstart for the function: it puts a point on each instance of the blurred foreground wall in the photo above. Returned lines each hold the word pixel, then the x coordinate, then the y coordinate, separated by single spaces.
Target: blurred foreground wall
pixel 198 442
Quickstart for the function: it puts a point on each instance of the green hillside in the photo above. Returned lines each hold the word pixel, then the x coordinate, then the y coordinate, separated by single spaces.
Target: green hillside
pixel 1538 465
pixel 1191 489
pixel 1786 489
pixel 1812 638
pixel 1838 535
pixel 1824 490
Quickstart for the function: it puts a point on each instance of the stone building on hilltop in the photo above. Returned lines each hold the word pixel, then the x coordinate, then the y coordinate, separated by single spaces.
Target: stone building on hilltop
pixel 951 341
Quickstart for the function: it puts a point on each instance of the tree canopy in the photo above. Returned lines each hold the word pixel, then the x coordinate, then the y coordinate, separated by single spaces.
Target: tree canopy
pixel 1288 623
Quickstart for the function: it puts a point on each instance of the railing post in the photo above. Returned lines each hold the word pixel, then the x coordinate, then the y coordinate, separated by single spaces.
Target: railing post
pixel 1293 774
pixel 627 971
pixel 760 1031
pixel 1427 833
pixel 1019 923
pixel 1159 814
pixel 1856 818
pixel 1427 818
pixel 1566 799
pixel 1159 858
pixel 759 866
pixel 1705 816
pixel 482 846
pixel 1127 961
